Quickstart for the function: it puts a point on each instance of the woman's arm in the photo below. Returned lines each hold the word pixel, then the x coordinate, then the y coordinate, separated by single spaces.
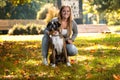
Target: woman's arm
pixel 46 31
pixel 75 30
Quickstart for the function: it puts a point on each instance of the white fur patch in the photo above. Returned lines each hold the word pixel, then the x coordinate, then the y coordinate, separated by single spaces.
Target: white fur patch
pixel 58 43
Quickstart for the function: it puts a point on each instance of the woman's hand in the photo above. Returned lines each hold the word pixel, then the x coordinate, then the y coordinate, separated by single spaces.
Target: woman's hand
pixel 70 41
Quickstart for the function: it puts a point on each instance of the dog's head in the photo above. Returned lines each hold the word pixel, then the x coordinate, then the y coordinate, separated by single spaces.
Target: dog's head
pixel 53 26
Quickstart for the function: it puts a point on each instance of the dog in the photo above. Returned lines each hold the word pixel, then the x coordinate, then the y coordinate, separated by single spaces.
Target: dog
pixel 59 52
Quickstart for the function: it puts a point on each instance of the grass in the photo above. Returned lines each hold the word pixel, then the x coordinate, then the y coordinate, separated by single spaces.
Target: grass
pixel 114 28
pixel 98 58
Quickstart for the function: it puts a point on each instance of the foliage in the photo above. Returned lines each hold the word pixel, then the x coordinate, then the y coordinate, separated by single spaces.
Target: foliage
pixel 13 2
pixel 47 12
pixel 21 2
pixel 21 11
pixel 2 3
pixel 42 13
pixel 107 10
pixel 29 29
pixel 113 17
pixel 98 59
pixel 102 5
pixel 52 12
pixel 17 2
pixel 17 29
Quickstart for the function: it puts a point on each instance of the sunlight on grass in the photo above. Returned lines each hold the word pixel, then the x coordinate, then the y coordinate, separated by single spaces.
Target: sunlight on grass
pixel 94 36
pixel 1 40
pixel 98 47
pixel 83 58
pixel 21 37
pixel 111 62
pixel 30 46
pixel 31 62
pixel 91 36
pixel 98 58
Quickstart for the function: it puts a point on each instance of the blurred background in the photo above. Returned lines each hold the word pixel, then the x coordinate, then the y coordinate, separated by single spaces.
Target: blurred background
pixel 31 16
pixel 21 27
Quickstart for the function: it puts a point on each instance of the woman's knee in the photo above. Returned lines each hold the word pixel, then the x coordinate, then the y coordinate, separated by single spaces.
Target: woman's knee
pixel 71 49
pixel 45 45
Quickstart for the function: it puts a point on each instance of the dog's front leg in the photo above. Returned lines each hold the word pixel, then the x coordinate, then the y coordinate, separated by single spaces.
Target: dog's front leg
pixel 53 54
pixel 65 54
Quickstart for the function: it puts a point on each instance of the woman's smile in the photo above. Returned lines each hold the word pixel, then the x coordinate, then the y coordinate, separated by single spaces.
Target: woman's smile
pixel 66 13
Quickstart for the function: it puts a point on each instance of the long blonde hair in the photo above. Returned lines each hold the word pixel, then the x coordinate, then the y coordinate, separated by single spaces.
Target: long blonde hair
pixel 69 24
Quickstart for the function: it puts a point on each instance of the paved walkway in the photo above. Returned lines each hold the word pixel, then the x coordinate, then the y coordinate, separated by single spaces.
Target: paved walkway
pixel 84 30
pixel 36 37
pixel 90 28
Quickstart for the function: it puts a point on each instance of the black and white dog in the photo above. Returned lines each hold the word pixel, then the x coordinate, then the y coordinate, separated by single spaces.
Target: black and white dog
pixel 58 44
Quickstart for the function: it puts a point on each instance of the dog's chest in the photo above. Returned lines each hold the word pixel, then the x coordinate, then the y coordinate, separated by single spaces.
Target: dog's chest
pixel 58 43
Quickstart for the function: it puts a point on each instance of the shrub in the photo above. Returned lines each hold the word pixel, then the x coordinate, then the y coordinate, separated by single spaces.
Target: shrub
pixel 17 30
pixel 29 29
pixel 113 18
pixel 34 29
pixel 42 13
pixel 47 12
pixel 52 12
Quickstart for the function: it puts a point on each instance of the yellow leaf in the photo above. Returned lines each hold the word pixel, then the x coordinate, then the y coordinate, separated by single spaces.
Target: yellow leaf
pixel 89 75
pixel 116 77
pixel 92 51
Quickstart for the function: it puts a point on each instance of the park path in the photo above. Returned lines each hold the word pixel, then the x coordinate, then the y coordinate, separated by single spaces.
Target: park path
pixel 36 37
pixel 90 28
pixel 83 30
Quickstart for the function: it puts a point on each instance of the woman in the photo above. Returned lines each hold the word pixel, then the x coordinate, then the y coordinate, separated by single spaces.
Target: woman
pixel 69 31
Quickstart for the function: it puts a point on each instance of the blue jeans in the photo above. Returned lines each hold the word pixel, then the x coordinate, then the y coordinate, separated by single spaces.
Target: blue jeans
pixel 71 49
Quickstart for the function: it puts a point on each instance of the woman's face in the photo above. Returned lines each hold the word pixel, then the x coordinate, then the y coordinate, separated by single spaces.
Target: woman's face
pixel 66 13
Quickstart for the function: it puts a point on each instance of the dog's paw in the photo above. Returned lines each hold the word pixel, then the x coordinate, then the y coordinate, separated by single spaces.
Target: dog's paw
pixel 68 64
pixel 52 65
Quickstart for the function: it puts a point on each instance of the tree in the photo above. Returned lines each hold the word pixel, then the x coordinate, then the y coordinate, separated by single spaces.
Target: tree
pixel 110 9
pixel 17 2
pixel 103 5
pixel 20 10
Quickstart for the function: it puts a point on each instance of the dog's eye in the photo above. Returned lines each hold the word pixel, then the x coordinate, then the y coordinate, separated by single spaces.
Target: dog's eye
pixel 57 24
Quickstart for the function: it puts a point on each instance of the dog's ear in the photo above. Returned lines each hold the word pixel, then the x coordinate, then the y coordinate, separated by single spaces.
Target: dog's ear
pixel 49 24
pixel 57 24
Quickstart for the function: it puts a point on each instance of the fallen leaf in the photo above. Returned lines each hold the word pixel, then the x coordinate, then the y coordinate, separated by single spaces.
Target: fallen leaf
pixel 89 75
pixel 92 51
pixel 116 77
pixel 72 61
pixel 16 62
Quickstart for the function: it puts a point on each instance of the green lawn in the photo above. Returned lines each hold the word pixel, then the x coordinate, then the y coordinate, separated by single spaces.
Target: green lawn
pixel 98 59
